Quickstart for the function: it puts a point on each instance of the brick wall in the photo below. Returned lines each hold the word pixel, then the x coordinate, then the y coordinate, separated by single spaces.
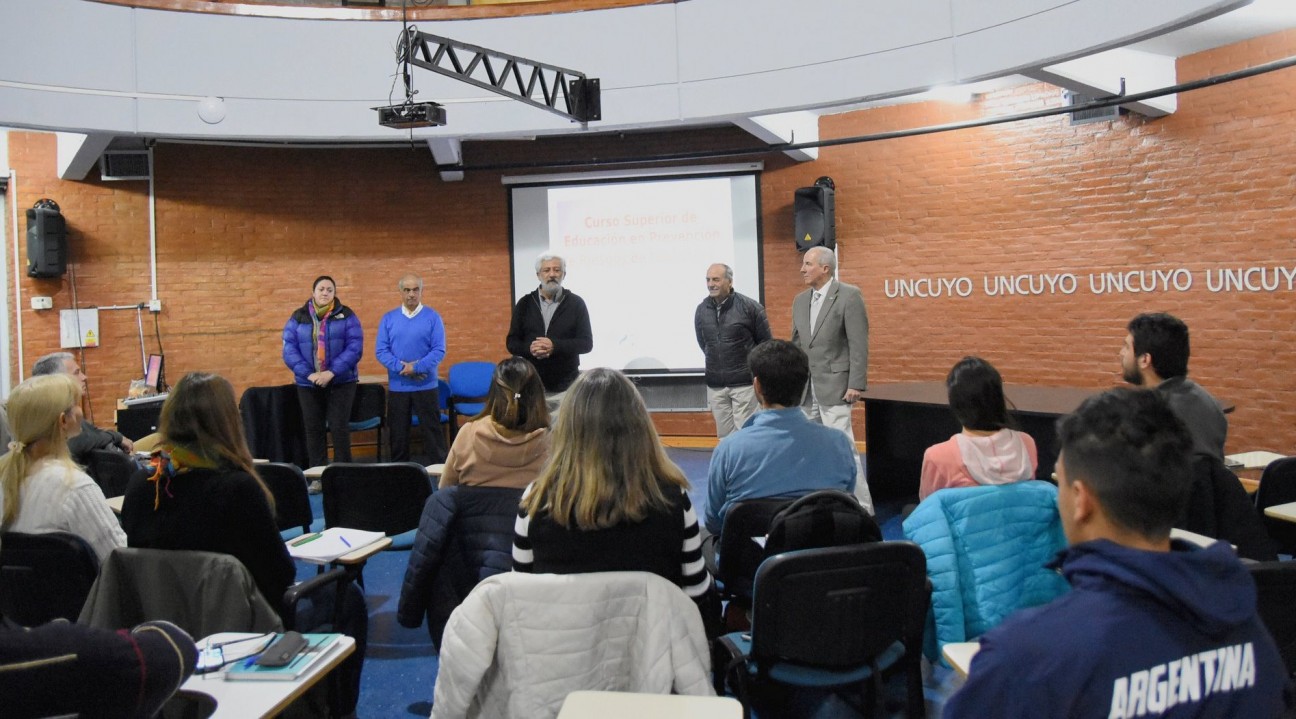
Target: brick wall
pixel 243 231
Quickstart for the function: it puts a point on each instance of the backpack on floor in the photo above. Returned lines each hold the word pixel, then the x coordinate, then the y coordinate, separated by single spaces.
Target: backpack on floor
pixel 826 518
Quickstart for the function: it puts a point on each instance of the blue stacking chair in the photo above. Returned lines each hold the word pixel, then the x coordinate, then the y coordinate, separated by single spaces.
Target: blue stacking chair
pixel 469 384
pixel 369 411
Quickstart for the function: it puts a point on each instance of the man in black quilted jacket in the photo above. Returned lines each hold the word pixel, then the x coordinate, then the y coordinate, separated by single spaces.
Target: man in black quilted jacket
pixel 728 325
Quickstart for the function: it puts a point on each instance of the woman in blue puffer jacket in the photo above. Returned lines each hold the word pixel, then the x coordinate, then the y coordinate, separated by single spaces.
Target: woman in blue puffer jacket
pixel 322 344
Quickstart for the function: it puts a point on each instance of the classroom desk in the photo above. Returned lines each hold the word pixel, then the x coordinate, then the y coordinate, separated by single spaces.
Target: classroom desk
pixel 359 556
pixel 629 705
pixel 1285 512
pixel 115 503
pixel 248 699
pixel 959 655
pixel 903 419
pixel 433 470
pixel 1248 478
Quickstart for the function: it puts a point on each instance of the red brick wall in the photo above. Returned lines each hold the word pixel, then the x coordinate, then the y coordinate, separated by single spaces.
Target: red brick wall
pixel 242 231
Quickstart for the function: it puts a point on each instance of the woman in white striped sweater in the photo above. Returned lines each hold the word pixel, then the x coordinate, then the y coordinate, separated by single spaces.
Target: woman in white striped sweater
pixel 609 499
pixel 41 489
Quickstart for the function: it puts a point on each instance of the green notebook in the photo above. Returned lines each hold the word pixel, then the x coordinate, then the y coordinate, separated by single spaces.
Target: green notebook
pixel 320 646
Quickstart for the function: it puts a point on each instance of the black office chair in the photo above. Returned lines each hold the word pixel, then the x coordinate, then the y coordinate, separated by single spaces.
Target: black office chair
pixel 111 470
pixel 733 557
pixel 834 617
pixel 272 421
pixel 386 497
pixel 1278 486
pixel 369 411
pixel 823 518
pixel 1275 587
pixel 292 501
pixel 1218 507
pixel 44 576
pixel 200 592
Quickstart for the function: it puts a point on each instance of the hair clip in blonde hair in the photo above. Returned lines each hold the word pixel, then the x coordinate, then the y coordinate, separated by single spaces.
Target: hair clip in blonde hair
pixel 16 446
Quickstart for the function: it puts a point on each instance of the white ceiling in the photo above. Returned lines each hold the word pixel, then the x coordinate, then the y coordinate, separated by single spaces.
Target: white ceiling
pixel 1259 18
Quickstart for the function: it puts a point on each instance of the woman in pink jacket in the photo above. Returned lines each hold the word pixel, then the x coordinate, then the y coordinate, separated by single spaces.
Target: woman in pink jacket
pixel 988 450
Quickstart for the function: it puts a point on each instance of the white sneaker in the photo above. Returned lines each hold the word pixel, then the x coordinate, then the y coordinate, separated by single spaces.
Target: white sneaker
pixel 315 487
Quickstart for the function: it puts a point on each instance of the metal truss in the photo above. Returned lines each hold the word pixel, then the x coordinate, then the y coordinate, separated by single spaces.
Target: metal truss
pixel 507 75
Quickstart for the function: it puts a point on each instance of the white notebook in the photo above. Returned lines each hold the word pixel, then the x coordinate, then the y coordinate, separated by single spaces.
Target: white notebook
pixel 324 547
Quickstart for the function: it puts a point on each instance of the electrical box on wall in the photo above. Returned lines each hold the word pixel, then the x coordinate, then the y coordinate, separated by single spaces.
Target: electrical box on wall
pixel 78 328
pixel 42 303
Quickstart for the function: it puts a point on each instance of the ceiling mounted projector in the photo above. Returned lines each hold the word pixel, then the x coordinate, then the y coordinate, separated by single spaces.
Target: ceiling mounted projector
pixel 417 114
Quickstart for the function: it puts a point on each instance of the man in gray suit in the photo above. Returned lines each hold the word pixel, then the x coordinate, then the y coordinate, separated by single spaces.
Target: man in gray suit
pixel 830 324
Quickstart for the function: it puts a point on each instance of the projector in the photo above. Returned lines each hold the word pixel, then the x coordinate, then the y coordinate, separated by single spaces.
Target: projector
pixel 418 114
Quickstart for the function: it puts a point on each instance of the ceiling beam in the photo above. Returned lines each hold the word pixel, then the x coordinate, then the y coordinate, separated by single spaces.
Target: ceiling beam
pixel 78 153
pixel 1100 75
pixel 447 151
pixel 786 128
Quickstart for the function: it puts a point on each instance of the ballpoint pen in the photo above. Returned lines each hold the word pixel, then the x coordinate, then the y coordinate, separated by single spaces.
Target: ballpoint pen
pixel 311 538
pixel 344 541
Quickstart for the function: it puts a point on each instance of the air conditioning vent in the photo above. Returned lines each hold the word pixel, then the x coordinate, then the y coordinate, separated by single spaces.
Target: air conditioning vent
pixel 1083 117
pixel 124 165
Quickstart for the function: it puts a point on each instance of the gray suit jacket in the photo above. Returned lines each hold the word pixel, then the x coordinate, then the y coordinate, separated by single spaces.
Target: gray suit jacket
pixel 838 345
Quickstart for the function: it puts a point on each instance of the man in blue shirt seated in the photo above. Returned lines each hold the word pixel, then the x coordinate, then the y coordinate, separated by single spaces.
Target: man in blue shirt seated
pixel 778 452
pixel 1151 627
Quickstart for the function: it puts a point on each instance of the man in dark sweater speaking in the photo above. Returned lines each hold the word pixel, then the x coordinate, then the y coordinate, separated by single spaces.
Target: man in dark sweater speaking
pixel 551 327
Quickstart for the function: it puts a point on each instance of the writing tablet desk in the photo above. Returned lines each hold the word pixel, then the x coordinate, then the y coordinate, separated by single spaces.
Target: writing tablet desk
pixel 959 655
pixel 903 419
pixel 1285 512
pixel 433 470
pixel 249 699
pixel 628 705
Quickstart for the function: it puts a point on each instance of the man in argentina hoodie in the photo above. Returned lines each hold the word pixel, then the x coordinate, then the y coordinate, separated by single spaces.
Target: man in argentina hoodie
pixel 1151 627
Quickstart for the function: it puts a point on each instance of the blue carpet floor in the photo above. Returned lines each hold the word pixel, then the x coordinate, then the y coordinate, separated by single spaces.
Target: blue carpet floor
pixel 400 667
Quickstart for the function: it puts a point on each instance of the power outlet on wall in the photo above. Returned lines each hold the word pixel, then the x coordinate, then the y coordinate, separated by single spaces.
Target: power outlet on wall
pixel 42 303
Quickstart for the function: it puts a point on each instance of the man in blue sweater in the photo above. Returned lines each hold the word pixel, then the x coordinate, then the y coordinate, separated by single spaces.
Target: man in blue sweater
pixel 411 343
pixel 1151 627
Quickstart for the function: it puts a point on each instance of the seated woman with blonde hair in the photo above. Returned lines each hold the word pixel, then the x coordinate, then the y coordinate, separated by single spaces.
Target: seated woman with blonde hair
pixel 508 443
pixel 988 450
pixel 609 499
pixel 41 489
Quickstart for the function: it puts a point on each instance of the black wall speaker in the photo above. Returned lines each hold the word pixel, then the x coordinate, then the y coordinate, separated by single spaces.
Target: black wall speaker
pixel 814 218
pixel 46 240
